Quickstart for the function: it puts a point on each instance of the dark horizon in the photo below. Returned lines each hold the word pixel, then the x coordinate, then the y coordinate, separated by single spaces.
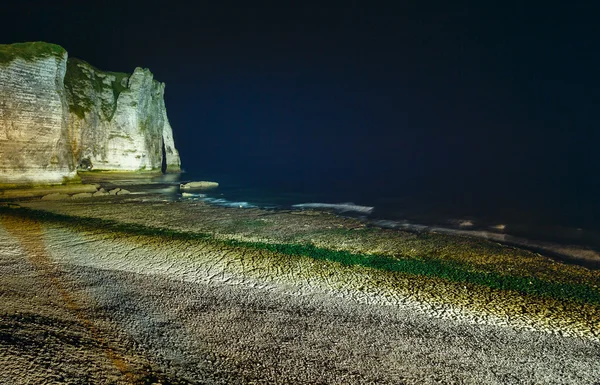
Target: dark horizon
pixel 465 102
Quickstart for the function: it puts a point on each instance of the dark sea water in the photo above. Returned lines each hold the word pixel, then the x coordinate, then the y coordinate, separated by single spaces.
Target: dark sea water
pixel 568 229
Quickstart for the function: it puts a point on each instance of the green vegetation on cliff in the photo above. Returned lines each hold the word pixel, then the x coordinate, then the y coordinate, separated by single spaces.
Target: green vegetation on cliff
pixel 29 51
pixel 82 76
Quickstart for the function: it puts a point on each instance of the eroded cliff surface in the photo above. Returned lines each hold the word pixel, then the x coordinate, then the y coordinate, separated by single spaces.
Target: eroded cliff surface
pixel 58 115
pixel 118 121
pixel 34 141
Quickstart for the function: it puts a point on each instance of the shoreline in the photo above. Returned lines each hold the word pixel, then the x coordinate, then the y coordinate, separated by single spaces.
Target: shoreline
pixel 566 253
pixel 508 272
pixel 187 291
pixel 563 251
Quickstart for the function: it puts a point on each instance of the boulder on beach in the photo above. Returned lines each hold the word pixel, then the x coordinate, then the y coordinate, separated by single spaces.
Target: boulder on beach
pixel 55 197
pixel 42 191
pixel 100 193
pixel 114 191
pixel 202 185
pixel 123 192
pixel 81 196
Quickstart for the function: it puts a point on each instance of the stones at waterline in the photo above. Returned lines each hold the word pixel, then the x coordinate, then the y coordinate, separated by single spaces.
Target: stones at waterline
pixel 89 194
pixel 42 191
pixel 101 192
pixel 201 185
pixel 56 197
pixel 81 196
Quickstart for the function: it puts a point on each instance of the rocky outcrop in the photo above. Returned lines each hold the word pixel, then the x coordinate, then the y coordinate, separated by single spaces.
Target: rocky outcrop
pixel 60 115
pixel 118 122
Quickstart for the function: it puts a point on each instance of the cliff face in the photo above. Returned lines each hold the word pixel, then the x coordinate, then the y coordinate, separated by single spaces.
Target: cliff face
pixel 118 121
pixel 59 115
pixel 34 142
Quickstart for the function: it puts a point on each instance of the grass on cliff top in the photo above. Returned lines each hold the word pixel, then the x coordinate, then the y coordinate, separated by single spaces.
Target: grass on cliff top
pixel 76 80
pixel 450 270
pixel 29 51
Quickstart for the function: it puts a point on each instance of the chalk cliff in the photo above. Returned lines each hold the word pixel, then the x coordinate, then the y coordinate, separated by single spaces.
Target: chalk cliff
pixel 58 115
pixel 34 140
pixel 118 121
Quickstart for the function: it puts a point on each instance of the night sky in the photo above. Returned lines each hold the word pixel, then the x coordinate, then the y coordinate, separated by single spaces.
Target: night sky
pixel 462 99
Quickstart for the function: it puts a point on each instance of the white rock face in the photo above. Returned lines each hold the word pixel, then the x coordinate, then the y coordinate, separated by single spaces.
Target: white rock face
pixel 58 115
pixel 173 163
pixel 118 122
pixel 34 143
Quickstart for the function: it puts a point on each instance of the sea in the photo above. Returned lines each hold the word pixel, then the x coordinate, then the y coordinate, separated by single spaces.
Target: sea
pixel 560 231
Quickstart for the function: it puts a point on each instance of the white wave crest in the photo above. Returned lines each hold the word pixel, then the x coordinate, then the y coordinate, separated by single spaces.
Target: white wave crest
pixel 404 225
pixel 226 203
pixel 191 195
pixel 581 254
pixel 339 207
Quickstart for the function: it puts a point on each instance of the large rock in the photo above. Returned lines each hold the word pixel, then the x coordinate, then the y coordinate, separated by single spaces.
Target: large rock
pixel 56 197
pixel 57 115
pixel 34 138
pixel 82 196
pixel 202 185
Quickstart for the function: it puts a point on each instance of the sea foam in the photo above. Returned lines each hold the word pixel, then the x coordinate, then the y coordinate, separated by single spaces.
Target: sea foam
pixel 226 203
pixel 339 207
pixel 579 254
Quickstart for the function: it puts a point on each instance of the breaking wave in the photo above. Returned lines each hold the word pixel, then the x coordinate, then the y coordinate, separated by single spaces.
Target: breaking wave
pixel 226 203
pixel 577 254
pixel 217 201
pixel 192 195
pixel 339 207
